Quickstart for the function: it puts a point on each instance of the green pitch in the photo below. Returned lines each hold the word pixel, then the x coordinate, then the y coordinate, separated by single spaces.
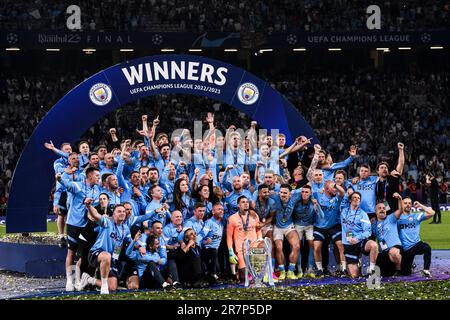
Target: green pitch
pixel 437 235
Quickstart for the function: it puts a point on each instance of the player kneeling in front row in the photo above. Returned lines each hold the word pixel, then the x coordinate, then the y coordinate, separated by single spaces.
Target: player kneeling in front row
pixel 153 269
pixel 390 247
pixel 356 230
pixel 409 231
pixel 106 250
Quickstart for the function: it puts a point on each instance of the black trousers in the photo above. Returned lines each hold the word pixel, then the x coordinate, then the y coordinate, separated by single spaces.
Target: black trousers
pixel 222 257
pixel 83 251
pixel 190 270
pixel 209 257
pixel 408 257
pixel 436 208
pixel 153 277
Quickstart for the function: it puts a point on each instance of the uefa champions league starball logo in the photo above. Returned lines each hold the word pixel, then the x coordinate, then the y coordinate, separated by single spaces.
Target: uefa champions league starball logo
pixel 248 93
pixel 425 37
pixel 291 39
pixel 12 38
pixel 157 39
pixel 100 94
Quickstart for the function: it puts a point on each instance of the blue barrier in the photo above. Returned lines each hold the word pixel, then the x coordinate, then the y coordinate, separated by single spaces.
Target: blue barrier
pixel 34 260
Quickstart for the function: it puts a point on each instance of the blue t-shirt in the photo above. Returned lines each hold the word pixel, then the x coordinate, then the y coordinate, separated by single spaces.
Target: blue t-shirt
pixel 283 217
pixel 409 228
pixel 317 187
pixel 232 200
pixel 77 214
pixel 387 232
pixel 172 235
pixel 367 188
pixel 355 224
pixel 160 216
pixel 213 230
pixel 330 207
pixel 197 225
pixel 303 214
pixel 111 237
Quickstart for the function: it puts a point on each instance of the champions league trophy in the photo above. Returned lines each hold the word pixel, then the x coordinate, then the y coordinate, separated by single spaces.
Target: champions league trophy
pixel 258 262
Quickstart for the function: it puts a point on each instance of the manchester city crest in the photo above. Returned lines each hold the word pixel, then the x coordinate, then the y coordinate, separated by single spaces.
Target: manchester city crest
pixel 100 94
pixel 248 93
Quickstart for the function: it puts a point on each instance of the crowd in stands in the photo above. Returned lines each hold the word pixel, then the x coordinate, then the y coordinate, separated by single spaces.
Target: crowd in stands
pixel 225 16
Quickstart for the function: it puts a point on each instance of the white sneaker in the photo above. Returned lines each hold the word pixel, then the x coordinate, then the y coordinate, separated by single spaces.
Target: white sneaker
pixel 104 290
pixel 84 281
pixel 166 285
pixel 426 273
pixel 69 286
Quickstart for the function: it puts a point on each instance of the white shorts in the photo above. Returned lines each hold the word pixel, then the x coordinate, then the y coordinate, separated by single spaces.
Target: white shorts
pixel 266 228
pixel 280 233
pixel 307 230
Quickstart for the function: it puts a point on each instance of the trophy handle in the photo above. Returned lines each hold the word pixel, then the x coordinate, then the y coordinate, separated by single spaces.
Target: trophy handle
pixel 245 250
pixel 268 245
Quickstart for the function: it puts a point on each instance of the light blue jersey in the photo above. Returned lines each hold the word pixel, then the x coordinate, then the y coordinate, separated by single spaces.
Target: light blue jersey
pixel 106 170
pixel 330 207
pixel 138 204
pixel 172 234
pixel 317 187
pixel 111 237
pixel 77 214
pixel 160 216
pixel 213 230
pixel 202 163
pixel 409 228
pixel 387 232
pixel 355 224
pixel 302 214
pixel 143 260
pixel 114 197
pixel 283 217
pixel 367 188
pixel 238 159
pixel 275 189
pixel 232 200
pixel 197 225
pixel 328 174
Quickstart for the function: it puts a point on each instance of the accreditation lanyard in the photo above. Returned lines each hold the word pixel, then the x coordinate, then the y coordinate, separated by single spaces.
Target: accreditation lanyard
pixel 118 241
pixel 284 219
pixel 354 218
pixel 196 251
pixel 386 185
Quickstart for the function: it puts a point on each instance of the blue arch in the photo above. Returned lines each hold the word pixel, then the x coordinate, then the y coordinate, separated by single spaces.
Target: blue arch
pixel 75 113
